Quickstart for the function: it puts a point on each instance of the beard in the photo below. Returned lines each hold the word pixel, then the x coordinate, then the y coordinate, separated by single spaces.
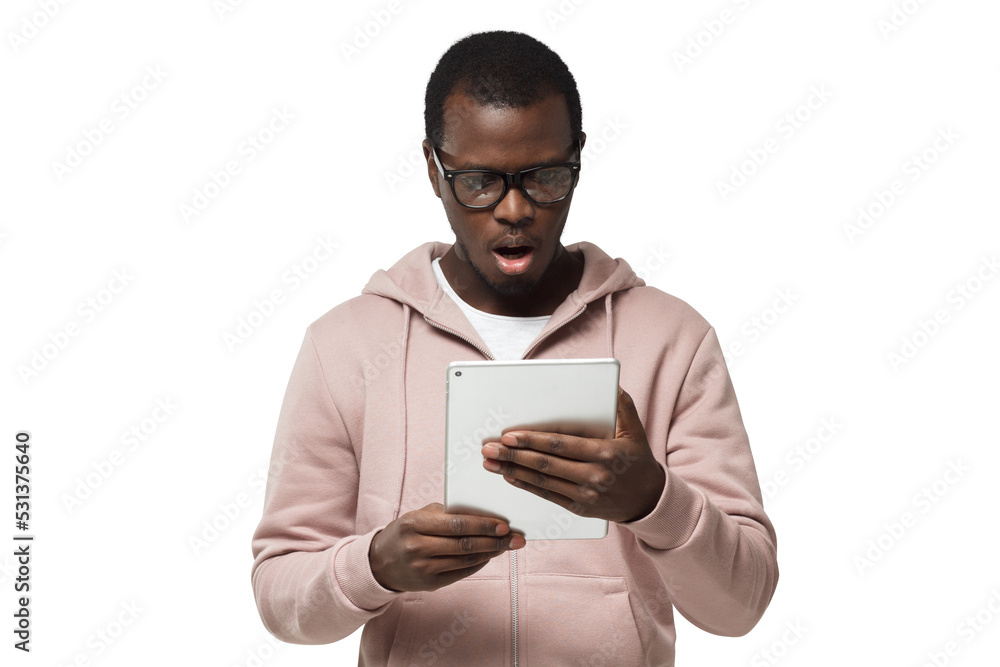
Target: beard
pixel 512 287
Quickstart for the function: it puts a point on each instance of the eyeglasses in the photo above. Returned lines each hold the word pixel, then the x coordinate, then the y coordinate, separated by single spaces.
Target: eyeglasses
pixel 479 188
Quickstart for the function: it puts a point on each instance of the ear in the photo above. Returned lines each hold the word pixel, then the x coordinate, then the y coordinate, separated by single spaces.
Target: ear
pixel 432 172
pixel 583 142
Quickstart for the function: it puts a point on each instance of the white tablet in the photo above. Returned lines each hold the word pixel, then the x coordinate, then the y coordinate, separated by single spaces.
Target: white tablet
pixel 484 399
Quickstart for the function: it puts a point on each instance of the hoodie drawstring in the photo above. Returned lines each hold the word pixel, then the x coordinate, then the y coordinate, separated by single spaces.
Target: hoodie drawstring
pixel 608 317
pixel 402 411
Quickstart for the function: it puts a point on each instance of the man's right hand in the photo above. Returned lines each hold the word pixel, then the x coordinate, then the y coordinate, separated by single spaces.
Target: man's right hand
pixel 426 549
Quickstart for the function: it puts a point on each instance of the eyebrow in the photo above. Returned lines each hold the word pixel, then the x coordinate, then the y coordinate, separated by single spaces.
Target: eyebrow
pixel 483 167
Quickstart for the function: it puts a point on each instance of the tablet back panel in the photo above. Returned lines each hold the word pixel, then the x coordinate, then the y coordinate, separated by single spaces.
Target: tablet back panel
pixel 487 398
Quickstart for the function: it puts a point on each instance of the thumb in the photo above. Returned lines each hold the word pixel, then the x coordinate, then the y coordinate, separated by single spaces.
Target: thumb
pixel 628 424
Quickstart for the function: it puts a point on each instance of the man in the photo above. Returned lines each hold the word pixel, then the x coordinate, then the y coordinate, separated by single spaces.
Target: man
pixel 353 531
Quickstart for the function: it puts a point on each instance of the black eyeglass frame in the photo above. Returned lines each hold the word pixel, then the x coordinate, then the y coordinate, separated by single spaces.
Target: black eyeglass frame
pixel 509 178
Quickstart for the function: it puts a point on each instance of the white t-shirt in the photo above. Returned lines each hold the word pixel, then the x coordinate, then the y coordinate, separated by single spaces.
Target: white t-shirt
pixel 506 337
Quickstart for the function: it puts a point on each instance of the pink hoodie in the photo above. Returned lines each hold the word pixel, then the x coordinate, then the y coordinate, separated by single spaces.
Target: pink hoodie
pixel 360 441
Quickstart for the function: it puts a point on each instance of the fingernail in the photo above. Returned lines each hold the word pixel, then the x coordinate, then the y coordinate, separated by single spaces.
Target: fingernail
pixel 491 451
pixel 509 439
pixel 517 542
pixel 502 529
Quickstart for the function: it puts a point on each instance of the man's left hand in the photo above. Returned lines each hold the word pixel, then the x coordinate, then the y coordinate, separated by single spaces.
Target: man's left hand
pixel 617 480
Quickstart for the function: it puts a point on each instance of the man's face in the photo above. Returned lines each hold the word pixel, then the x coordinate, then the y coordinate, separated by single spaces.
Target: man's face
pixel 506 140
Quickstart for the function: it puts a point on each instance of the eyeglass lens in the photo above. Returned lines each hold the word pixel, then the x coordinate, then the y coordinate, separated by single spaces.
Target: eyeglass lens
pixel 542 185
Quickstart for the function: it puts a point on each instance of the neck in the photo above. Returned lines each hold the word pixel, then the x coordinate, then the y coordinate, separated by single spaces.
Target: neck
pixel 561 278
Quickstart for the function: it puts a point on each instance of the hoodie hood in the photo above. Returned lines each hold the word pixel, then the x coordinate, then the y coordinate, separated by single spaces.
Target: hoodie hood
pixel 411 282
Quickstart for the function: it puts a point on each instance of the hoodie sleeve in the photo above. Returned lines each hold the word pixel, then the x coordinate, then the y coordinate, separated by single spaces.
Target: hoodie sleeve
pixel 311 576
pixel 708 536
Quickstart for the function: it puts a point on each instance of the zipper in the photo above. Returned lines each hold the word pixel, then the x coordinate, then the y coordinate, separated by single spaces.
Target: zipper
pixel 540 340
pixel 465 338
pixel 513 554
pixel 513 597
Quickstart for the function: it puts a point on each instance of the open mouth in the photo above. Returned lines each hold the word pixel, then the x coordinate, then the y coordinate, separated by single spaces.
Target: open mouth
pixel 514 252
pixel 514 260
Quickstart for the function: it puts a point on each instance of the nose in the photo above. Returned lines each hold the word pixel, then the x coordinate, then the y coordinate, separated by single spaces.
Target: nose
pixel 514 208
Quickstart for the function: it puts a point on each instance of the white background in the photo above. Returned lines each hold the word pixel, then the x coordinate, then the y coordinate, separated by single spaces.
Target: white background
pixel 673 131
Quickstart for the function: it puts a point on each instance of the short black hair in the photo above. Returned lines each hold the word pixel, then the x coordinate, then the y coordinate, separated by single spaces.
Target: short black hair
pixel 500 69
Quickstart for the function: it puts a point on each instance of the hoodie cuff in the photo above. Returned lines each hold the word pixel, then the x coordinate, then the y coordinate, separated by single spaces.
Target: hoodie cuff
pixel 674 518
pixel 353 571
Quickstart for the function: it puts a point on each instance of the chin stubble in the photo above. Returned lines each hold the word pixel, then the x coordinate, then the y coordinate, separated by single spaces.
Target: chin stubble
pixel 514 287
